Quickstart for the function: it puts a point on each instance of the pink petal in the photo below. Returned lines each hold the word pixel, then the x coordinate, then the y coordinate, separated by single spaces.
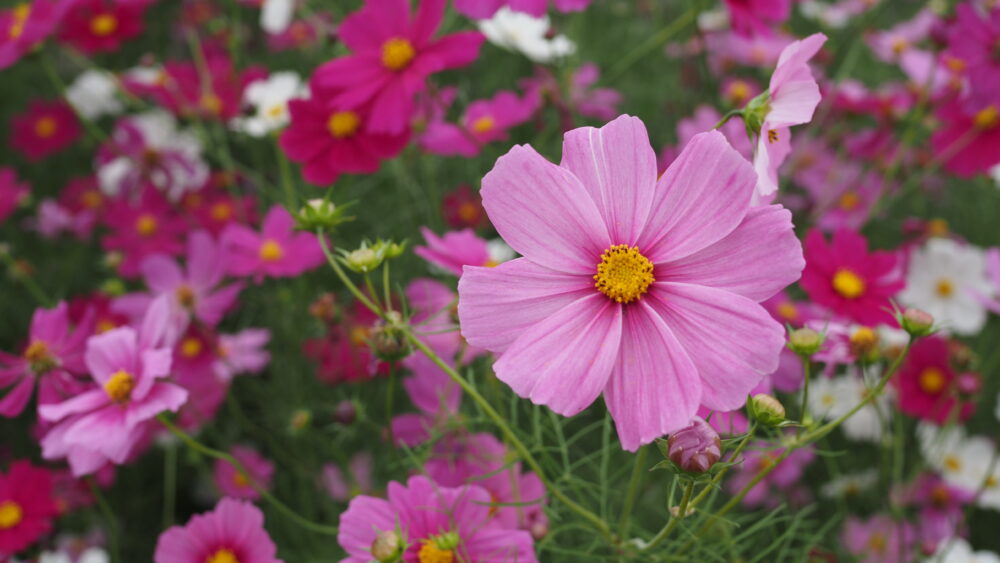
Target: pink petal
pixel 211 308
pixel 496 305
pixel 110 352
pixel 565 360
pixel 205 265
pixel 654 387
pixel 700 199
pixel 14 402
pixel 84 402
pixel 161 273
pixel 544 213
pixel 162 397
pixel 617 166
pixel 426 20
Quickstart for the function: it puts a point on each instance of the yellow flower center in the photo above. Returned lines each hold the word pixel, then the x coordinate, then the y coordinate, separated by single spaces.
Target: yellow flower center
pixel 991 482
pixel 849 201
pixel 240 480
pixel 788 311
pixel 120 386
pixel 937 227
pixel 223 555
pixel 484 124
pixel 343 124
pixel 146 225
pixel 772 136
pixel 271 251
pixel 221 212
pixel 739 91
pixel 944 288
pixel 275 111
pixel 185 296
pixel 39 357
pixel 899 45
pixel 848 284
pixel 952 463
pixel 468 212
pixel 11 514
pixel 359 335
pixel 931 380
pixel 940 496
pixel 46 126
pixel 827 400
pixel 191 347
pixel 103 25
pixel 20 13
pixel 92 199
pixel 987 118
pixel 397 53
pixel 211 103
pixel 431 553
pixel 863 341
pixel 877 542
pixel 624 273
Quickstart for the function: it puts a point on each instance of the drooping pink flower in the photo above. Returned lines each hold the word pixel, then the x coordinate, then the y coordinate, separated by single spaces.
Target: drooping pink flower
pixel 107 422
pixel 484 121
pixel 752 17
pixel 680 263
pixel 27 507
pixel 844 276
pixel 393 53
pixel 435 523
pixel 44 129
pixel 233 531
pixel 142 228
pixel 232 483
pixel 599 103
pixel 101 26
pixel 51 357
pixel 12 192
pixel 880 539
pixel 927 385
pixel 454 250
pixel 967 140
pixel 484 9
pixel 973 39
pixel 242 353
pixel 27 24
pixel 793 96
pixel 277 251
pixel 434 394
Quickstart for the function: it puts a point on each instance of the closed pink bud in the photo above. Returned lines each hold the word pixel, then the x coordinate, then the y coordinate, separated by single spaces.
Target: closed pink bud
pixel 696 447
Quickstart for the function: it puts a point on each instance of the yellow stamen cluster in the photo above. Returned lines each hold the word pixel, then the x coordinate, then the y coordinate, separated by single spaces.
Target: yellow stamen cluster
pixel 931 380
pixel 343 124
pixel 772 135
pixel 191 347
pixel 211 103
pixel 987 118
pixel 119 387
pixel 20 17
pixel 623 274
pixel 39 357
pixel 103 25
pixel 46 126
pixel 848 284
pixel 431 553
pixel 849 201
pixel 271 251
pixel 11 514
pixel 397 53
pixel 221 211
pixel 944 288
pixel 739 92
pixel 223 555
pixel 146 225
pixel 484 124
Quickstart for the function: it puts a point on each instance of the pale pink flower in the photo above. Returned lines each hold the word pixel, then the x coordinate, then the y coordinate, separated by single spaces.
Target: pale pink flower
pixel 454 250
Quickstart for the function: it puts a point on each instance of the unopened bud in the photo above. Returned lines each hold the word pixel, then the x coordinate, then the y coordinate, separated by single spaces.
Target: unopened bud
pixel 388 339
pixel 539 530
pixel 805 341
pixel 345 412
pixel 767 410
pixel 363 260
pixel 756 111
pixel 318 214
pixel 864 344
pixel 696 447
pixel 917 323
pixel 969 383
pixel 300 419
pixel 387 547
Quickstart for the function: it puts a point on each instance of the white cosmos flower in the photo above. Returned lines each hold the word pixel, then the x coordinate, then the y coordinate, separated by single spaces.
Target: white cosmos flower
pixel 276 15
pixel 525 34
pixel 93 94
pixel 499 251
pixel 944 279
pixel 964 462
pixel 269 99
pixel 958 550
pixel 832 397
pixel 850 485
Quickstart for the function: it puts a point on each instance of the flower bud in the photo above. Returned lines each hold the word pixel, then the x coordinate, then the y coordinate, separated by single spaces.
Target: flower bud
pixel 969 383
pixel 300 420
pixel 696 447
pixel 387 547
pixel 864 344
pixel 805 341
pixel 766 409
pixel 363 260
pixel 917 323
pixel 345 412
pixel 755 112
pixel 317 214
pixel 539 530
pixel 388 339
pixel 113 287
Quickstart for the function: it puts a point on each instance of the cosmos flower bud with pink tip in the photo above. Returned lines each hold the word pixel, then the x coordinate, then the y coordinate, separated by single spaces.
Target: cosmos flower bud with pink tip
pixel 696 447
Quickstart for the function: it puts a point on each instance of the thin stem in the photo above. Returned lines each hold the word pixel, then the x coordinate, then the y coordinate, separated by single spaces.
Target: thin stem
pixel 803 410
pixel 29 282
pixel 638 470
pixel 729 115
pixel 242 470
pixel 722 472
pixel 57 83
pixel 510 437
pixel 390 389
pixel 652 43
pixel 343 276
pixel 385 285
pixel 169 484
pixel 286 176
pixel 109 516
pixel 371 291
pixel 681 513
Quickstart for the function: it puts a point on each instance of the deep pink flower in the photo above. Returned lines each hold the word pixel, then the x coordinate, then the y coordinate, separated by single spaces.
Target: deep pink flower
pixel 26 25
pixel 879 539
pixel 107 422
pixel 27 507
pixel 342 354
pixel 751 17
pixel 973 39
pixel 277 251
pixel 233 531
pixel 484 9
pixel 484 121
pixel 454 250
pixel 727 49
pixel 434 394
pixel 12 192
pixel 142 228
pixel 436 523
pixel 232 483
pixel 101 26
pixel 927 385
pixel 967 140
pixel 393 53
pixel 45 128
pixel 216 93
pixel 463 208
pixel 681 264
pixel 843 275
pixel 51 357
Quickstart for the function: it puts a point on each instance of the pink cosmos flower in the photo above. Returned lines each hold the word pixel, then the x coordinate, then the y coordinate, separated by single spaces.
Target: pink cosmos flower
pixel 752 17
pixel 101 26
pixel 880 539
pixel 106 423
pixel 454 250
pixel 793 96
pixel 435 523
pixel 727 49
pixel 52 356
pixel 973 39
pixel 680 265
pixel 328 138
pixel 967 141
pixel 44 129
pixel 704 119
pixel 393 54
pixel 484 9
pixel 277 251
pixel 195 290
pixel 215 93
pixel 484 121
pixel 434 394
pixel 927 386
pixel 232 483
pixel 599 103
pixel 782 478
pixel 233 531
pixel 893 43
pixel 358 480
pixel 736 90
pixel 27 507
pixel 342 354
pixel 942 508
pixel 26 25
pixel 242 353
pixel 12 192
pixel 142 228
pixel 853 282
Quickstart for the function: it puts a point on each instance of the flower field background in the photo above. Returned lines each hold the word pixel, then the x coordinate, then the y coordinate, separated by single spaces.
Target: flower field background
pixel 187 258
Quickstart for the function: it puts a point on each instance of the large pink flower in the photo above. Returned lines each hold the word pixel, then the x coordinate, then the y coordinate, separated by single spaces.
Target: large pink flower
pixel 750 17
pixel 278 251
pixel 233 531
pixel 680 263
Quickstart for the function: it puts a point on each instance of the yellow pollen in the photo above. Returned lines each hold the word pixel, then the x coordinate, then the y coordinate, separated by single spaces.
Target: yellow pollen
pixel 899 45
pixel 359 335
pixel 431 553
pixel 772 136
pixel 491 263
pixel 211 103
pixel 991 482
pixel 103 25
pixel 468 212
pixel 185 296
pixel 484 124
pixel 931 380
pixel 146 225
pixel 877 542
pixel 952 463
pixel 276 111
pixel 120 386
pixel 104 325
pixel 92 199
pixel 221 212
pixel 222 556
pixel 940 496
pixel 863 341
pixel 46 126
pixel 738 92
pixel 271 251
pixel 937 227
pixel 987 118
pixel 624 273
pixel 39 356
pixel 397 53
pixel 848 284
pixel 788 311
pixel 827 400
pixel 343 124
pixel 20 13
pixel 849 201
pixel 944 288
pixel 11 514
pixel 240 480
pixel 191 347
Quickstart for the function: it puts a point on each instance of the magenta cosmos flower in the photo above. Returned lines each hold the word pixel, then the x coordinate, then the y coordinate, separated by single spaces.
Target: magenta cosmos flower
pixel 26 25
pixel 27 507
pixel 927 386
pixel 432 524
pixel 853 282
pixel 232 483
pixel 750 17
pixel 101 26
pixel 644 289
pixel 393 54
pixel 12 192
pixel 277 251
pixel 485 121
pixel 484 9
pixel 974 39
pixel 44 129
pixel 232 532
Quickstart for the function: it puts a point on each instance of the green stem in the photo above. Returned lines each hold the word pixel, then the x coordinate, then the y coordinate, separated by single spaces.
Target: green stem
pixel 57 83
pixel 722 472
pixel 652 43
pixel 804 409
pixel 169 484
pixel 266 495
pixel 29 282
pixel 109 516
pixel 729 115
pixel 638 470
pixel 681 513
pixel 332 260
pixel 286 176
pixel 388 401
pixel 374 294
pixel 385 285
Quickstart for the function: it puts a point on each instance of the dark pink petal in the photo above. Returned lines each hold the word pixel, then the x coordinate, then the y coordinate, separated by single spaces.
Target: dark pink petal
pixel 162 274
pixel 452 51
pixel 17 397
pixel 426 20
